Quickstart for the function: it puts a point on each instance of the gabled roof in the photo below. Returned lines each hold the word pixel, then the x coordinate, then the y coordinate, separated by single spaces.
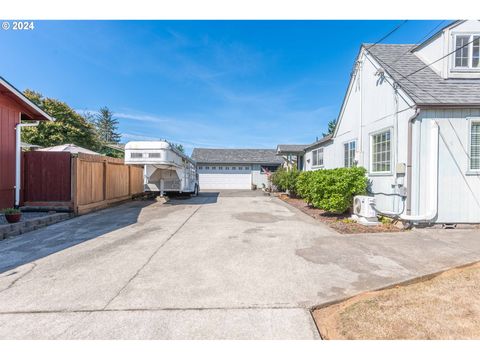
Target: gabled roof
pixel 30 110
pixel 425 87
pixel 236 156
pixel 322 141
pixel 287 148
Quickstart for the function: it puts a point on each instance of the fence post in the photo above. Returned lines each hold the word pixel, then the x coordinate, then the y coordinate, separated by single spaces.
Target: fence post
pixel 73 179
pixel 105 176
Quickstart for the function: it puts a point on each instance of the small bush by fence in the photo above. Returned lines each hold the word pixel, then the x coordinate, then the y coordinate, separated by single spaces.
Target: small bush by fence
pixel 285 180
pixel 332 190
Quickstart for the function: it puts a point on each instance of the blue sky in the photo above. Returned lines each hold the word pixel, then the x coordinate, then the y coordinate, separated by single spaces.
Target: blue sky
pixel 249 84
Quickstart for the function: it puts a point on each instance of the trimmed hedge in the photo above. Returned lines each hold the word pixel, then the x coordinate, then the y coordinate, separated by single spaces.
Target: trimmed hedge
pixel 285 180
pixel 332 190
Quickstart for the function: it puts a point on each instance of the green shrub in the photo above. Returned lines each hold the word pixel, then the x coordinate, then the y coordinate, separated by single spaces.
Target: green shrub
pixel 332 190
pixel 11 211
pixel 285 180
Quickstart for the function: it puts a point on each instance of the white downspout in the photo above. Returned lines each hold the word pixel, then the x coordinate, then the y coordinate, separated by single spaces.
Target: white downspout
pixel 433 176
pixel 18 158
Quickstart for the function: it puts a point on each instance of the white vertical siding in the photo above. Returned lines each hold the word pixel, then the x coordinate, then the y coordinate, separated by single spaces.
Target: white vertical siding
pixel 459 189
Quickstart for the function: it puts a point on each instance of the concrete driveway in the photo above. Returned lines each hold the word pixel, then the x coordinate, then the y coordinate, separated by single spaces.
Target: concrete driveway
pixel 234 265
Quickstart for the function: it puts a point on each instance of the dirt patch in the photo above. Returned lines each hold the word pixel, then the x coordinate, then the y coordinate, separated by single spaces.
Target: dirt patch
pixel 340 223
pixel 446 306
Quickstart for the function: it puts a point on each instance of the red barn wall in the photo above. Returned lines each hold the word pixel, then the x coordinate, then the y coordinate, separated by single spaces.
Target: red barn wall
pixel 9 118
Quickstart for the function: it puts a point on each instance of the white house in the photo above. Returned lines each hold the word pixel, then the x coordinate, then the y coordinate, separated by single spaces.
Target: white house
pixel 235 168
pixel 411 117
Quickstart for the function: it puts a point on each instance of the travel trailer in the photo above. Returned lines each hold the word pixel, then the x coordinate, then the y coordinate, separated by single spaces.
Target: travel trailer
pixel 166 169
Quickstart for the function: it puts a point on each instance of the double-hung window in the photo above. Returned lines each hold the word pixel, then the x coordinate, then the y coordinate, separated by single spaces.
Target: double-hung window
pixel 467 51
pixel 475 145
pixel 349 153
pixel 317 157
pixel 381 154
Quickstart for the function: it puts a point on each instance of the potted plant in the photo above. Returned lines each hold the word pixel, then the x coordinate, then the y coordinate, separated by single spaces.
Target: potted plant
pixel 12 215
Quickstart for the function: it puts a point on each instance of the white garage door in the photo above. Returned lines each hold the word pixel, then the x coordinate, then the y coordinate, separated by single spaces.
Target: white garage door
pixel 219 180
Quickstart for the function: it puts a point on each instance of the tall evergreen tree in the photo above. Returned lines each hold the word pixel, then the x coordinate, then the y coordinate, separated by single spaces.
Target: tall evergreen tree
pixel 107 126
pixel 331 127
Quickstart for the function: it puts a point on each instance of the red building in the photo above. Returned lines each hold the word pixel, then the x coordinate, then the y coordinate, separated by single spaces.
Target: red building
pixel 14 107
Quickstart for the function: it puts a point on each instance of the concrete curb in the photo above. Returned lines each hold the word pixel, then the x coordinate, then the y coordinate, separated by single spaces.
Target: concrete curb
pixel 23 227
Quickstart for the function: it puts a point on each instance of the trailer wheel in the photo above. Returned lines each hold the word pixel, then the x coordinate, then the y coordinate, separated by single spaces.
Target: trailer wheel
pixel 195 192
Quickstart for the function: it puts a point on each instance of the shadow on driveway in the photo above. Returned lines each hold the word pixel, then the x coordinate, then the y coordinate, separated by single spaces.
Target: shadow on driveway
pixel 37 244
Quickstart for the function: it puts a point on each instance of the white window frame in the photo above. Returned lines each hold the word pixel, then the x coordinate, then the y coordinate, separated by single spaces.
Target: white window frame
pixel 371 135
pixel 471 121
pixel 469 67
pixel 316 164
pixel 353 162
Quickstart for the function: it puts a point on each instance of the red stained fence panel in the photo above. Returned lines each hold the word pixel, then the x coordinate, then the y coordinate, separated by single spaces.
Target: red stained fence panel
pixel 47 176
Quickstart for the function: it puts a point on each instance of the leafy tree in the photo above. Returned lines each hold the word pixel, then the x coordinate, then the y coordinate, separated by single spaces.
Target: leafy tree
pixel 69 127
pixel 331 127
pixel 106 126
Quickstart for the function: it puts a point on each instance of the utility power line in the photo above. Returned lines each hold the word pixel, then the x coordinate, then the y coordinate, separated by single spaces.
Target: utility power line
pixel 441 58
pixel 388 34
pixel 419 41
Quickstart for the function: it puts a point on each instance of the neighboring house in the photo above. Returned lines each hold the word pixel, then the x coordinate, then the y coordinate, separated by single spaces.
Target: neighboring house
pixel 234 168
pixel 411 117
pixel 319 155
pixel 14 107
pixel 71 148
pixel 293 155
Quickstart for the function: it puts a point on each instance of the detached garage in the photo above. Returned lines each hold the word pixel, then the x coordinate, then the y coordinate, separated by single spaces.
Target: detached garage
pixel 234 168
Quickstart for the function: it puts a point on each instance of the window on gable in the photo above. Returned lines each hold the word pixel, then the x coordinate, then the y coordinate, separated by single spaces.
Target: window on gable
pixel 475 146
pixel 381 152
pixel 349 153
pixel 467 51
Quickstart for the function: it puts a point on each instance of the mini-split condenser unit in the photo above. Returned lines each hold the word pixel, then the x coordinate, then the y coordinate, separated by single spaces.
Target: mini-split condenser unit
pixel 363 210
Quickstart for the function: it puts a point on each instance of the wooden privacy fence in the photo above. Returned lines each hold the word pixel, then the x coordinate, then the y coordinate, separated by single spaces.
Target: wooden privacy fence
pixel 81 182
pixel 99 181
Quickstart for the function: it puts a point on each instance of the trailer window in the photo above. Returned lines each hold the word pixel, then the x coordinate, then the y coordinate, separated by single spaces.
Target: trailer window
pixel 136 155
pixel 154 155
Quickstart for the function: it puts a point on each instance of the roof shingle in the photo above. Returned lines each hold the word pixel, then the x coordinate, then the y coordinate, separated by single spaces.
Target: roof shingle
pixel 425 87
pixel 236 156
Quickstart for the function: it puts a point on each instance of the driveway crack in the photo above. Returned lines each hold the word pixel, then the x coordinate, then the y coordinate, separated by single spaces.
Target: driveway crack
pixel 34 265
pixel 151 257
